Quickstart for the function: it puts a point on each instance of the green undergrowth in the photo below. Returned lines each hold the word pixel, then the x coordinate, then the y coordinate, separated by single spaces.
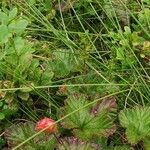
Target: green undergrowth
pixel 83 63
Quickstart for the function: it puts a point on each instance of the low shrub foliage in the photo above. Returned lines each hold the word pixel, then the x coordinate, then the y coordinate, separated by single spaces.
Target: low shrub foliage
pixel 75 74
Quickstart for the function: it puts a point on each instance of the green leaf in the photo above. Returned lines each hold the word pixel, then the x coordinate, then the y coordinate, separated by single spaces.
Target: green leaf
pixel 22 24
pixel 11 109
pixel 28 87
pixel 144 17
pixel 62 64
pixel 9 98
pixel 1 104
pixel 12 60
pixel 80 117
pixel 3 18
pixel 27 49
pixel 121 148
pixel 127 32
pixel 19 44
pixel 2 142
pixel 46 77
pixel 2 55
pixel 146 1
pixel 31 2
pixel 18 73
pixel 137 123
pixel 147 143
pixel 48 5
pixel 133 135
pixel 12 14
pixel 85 124
pixel 4 34
pixel 25 60
pixel 18 26
pixel 120 53
pixel 24 96
pixel 18 133
pixel 22 67
pixel 2 116
pixel 35 76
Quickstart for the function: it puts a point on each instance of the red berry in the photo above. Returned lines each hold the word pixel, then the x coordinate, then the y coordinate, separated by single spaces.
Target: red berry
pixel 46 123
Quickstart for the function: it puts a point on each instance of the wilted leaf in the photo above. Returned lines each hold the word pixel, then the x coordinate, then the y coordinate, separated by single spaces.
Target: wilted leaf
pixel 65 6
pixel 118 8
pixel 62 90
pixel 2 94
pixel 146 46
pixel 72 143
pixel 108 104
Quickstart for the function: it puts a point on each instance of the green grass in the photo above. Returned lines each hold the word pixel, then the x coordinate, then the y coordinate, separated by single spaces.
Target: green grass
pixel 91 48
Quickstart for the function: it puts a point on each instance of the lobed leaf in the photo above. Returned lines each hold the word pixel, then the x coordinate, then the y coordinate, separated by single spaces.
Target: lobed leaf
pixel 72 143
pixel 137 123
pixel 84 123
